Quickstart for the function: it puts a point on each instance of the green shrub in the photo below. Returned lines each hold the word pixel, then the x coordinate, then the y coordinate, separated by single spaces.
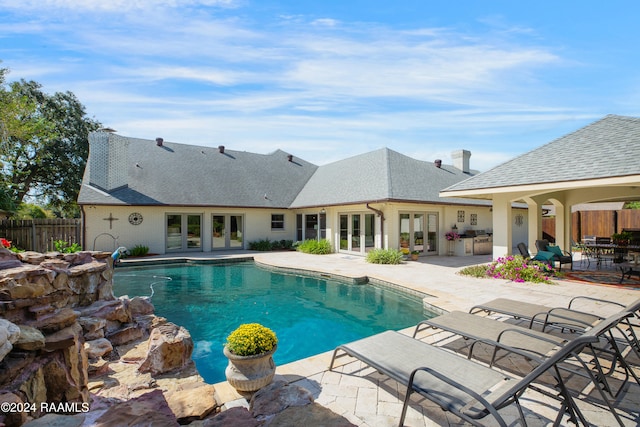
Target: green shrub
pixel 316 247
pixel 260 245
pixel 278 245
pixel 139 250
pixel 269 245
pixel 65 247
pixel 384 256
pixel 282 245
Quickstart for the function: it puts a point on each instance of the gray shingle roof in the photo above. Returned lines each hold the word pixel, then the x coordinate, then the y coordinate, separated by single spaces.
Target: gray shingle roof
pixel 609 147
pixel 181 174
pixel 379 175
pixel 188 175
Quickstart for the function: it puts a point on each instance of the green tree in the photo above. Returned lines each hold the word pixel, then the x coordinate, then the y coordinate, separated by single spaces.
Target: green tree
pixel 30 211
pixel 6 203
pixel 44 144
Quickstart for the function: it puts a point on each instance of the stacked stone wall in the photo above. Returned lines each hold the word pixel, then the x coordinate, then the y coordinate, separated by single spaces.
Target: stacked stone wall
pixel 50 313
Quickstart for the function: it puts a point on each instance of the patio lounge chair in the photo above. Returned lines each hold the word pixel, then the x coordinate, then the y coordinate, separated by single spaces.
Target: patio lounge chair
pixel 562 317
pixel 532 343
pixel 559 256
pixel 459 385
pixel 569 318
pixel 528 342
pixel 524 251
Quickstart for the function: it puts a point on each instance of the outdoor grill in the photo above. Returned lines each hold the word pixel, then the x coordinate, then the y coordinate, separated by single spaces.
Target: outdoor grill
pixel 482 244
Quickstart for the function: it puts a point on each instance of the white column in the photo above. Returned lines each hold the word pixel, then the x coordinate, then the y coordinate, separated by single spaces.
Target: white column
pixel 502 226
pixel 535 224
pixel 534 205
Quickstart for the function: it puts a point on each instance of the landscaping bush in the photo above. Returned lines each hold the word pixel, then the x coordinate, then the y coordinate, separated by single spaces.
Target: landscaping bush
pixel 316 247
pixel 280 245
pixel 139 250
pixel 260 245
pixel 268 245
pixel 514 268
pixel 384 256
pixel 65 247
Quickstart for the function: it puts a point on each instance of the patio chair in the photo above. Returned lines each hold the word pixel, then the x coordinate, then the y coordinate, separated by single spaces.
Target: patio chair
pixel 560 256
pixel 530 343
pixel 524 251
pixel 569 317
pixel 466 388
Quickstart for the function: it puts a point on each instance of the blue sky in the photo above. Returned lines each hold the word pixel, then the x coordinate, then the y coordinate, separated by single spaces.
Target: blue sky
pixel 325 80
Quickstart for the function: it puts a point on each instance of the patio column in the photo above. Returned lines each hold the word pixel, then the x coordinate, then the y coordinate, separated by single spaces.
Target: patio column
pixel 563 221
pixel 561 227
pixel 534 217
pixel 502 226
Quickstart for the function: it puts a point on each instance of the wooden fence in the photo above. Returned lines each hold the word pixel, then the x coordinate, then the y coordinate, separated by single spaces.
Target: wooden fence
pixel 40 234
pixel 595 223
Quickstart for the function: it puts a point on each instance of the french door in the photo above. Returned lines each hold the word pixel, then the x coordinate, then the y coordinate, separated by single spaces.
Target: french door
pixel 311 226
pixel 419 231
pixel 227 231
pixel 357 232
pixel 183 232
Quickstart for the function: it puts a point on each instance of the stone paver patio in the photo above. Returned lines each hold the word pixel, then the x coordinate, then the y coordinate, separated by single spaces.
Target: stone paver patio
pixel 367 398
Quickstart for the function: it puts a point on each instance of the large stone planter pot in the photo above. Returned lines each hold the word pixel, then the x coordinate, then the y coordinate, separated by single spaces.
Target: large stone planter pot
pixel 250 373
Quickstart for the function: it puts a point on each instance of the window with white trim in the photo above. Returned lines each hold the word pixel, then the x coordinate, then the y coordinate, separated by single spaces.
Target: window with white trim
pixel 277 221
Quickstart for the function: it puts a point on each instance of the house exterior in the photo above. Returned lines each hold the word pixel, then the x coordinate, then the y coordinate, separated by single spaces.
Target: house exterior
pixel 178 198
pixel 597 163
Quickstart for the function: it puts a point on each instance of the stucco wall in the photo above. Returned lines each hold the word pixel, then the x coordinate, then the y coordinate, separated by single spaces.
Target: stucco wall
pixel 151 231
pixel 447 216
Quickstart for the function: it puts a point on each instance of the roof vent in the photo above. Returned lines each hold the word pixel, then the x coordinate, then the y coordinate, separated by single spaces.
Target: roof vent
pixel 221 148
pixel 290 157
pixel 159 142
pixel 438 163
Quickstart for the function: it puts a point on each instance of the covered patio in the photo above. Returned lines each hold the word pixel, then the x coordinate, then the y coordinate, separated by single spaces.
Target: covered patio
pixel 597 163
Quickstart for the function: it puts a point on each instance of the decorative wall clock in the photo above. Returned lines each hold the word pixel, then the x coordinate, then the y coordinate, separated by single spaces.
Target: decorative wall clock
pixel 135 218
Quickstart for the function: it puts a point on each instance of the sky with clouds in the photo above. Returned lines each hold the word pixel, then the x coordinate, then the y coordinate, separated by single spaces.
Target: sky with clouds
pixel 326 80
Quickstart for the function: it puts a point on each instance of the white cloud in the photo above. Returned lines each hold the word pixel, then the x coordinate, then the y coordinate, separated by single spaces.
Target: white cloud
pixel 325 22
pixel 321 89
pixel 109 5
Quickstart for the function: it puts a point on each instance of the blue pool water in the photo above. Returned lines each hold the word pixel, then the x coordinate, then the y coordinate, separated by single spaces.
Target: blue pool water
pixel 309 315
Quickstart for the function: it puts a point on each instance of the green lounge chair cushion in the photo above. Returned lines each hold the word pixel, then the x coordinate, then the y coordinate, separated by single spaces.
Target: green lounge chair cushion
pixel 555 249
pixel 544 256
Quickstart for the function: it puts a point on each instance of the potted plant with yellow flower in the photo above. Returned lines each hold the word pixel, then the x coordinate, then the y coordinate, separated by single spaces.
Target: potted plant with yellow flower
pixel 250 351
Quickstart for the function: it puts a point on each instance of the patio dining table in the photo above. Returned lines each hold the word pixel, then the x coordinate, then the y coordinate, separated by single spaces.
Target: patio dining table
pixel 613 251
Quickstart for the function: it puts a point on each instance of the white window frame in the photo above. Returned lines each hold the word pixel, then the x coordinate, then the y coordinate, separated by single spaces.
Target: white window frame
pixel 273 221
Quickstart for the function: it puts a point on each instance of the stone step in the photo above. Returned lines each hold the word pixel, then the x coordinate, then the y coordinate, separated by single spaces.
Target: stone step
pixel 51 322
pixel 40 310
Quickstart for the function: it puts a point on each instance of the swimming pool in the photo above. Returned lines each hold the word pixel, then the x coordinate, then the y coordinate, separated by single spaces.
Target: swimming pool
pixel 310 315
